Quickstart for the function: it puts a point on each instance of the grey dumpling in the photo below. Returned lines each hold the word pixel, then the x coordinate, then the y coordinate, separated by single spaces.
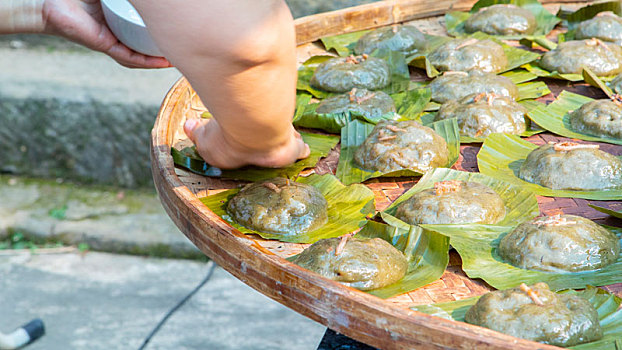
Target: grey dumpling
pixel 403 38
pixel 572 166
pixel 341 74
pixel 469 54
pixel 536 313
pixel 502 19
pixel 604 59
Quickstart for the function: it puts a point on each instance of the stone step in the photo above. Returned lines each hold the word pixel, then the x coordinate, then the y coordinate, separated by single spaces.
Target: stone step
pixel 78 115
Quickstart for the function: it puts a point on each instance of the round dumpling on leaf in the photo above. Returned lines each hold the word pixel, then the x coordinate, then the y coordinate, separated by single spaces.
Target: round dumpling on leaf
pixel 341 74
pixel 394 146
pixel 456 85
pixel 606 26
pixel 536 313
pixel 560 243
pixel 479 115
pixel 369 104
pixel 599 118
pixel 364 264
pixel 279 206
pixel 501 19
pixel 604 59
pixel 403 38
pixel 453 202
pixel 572 166
pixel 469 54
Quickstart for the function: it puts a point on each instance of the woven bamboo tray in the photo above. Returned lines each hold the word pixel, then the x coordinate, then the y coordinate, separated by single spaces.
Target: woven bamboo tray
pixel 387 324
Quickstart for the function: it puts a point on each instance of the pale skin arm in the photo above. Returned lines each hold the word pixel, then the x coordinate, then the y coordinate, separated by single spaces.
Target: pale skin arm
pixel 81 21
pixel 239 56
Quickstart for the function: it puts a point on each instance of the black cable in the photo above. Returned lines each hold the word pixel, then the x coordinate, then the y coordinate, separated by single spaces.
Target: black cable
pixel 211 267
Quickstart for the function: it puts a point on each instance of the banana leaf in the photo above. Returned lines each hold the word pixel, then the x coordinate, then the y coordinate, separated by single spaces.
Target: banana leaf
pixel 427 253
pixel 615 214
pixel 607 305
pixel 518 76
pixel 531 128
pixel 400 76
pixel 520 203
pixel 502 155
pixel 343 43
pixel 408 104
pixel 478 247
pixel 348 207
pixel 320 146
pixel 516 57
pixel 355 132
pixel 595 81
pixel 546 21
pixel 543 73
pixel 555 117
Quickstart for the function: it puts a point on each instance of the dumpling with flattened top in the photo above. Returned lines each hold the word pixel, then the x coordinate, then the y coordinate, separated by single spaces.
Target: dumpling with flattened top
pixel 536 313
pixel 560 243
pixel 572 166
pixel 501 19
pixel 453 202
pixel 479 115
pixel 370 104
pixel 469 54
pixel 606 26
pixel 279 206
pixel 598 118
pixel 403 38
pixel 456 85
pixel 341 74
pixel 570 57
pixel 360 263
pixel 393 146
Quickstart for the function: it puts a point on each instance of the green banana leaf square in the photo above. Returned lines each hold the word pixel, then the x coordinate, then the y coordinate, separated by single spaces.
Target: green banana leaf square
pixel 607 305
pixel 545 21
pixel 348 208
pixel 520 203
pixel 355 132
pixel 501 156
pixel 320 146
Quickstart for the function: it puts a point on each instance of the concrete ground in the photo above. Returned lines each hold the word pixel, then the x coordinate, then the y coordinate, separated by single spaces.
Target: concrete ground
pixel 107 301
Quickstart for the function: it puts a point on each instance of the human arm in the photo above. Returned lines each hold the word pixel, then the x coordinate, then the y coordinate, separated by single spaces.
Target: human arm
pixel 240 58
pixel 81 21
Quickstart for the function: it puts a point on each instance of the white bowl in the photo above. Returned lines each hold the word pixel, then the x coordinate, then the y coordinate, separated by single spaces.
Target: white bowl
pixel 128 26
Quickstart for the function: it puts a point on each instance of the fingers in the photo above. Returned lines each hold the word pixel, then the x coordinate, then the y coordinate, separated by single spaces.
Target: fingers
pixel 192 128
pixel 305 151
pixel 132 59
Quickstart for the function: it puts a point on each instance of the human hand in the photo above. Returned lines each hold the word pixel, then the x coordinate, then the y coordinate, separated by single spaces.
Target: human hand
pixel 82 21
pixel 222 152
